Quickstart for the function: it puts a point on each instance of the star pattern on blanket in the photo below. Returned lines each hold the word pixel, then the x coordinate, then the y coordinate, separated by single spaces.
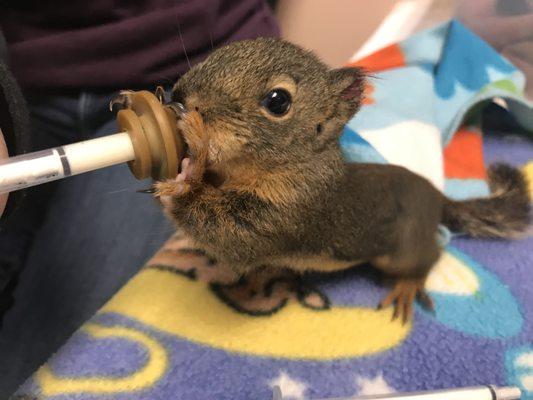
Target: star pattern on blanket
pixel 372 386
pixel 519 368
pixel 290 387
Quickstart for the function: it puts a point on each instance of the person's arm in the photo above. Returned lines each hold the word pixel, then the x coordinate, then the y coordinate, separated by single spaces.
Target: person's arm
pixel 498 25
pixel 3 147
pixel 3 155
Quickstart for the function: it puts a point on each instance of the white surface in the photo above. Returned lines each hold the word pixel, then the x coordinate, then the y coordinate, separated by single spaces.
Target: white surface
pixel 525 360
pixel 451 276
pixel 412 144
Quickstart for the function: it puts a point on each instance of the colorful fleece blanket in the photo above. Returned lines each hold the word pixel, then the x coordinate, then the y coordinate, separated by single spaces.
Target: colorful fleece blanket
pixel 186 328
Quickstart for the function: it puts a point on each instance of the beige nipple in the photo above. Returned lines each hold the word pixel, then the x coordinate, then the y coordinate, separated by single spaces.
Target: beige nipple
pixel 152 127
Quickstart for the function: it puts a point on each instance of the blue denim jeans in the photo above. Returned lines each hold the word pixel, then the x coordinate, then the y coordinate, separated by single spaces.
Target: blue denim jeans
pixel 78 240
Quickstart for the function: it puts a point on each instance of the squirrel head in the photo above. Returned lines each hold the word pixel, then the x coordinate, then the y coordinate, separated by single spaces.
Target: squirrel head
pixel 270 102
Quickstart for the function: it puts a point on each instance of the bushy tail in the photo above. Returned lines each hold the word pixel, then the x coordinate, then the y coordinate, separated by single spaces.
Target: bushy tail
pixel 505 214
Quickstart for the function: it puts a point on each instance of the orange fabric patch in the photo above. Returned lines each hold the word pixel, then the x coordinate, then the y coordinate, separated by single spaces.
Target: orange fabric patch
pixel 463 157
pixel 369 90
pixel 386 58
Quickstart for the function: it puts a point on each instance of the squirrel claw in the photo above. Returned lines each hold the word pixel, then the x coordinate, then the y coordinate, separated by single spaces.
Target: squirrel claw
pixel 149 190
pixel 160 94
pixel 123 99
pixel 426 301
pixel 167 190
pixel 403 296
pixel 171 188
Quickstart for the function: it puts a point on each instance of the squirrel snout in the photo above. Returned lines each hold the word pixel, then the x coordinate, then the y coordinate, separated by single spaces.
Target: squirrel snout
pixel 195 103
pixel 208 106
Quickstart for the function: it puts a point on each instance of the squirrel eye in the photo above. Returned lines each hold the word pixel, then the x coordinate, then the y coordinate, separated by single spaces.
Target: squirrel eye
pixel 277 102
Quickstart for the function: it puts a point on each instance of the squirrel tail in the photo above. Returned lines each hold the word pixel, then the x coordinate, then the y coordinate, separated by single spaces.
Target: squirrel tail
pixel 504 214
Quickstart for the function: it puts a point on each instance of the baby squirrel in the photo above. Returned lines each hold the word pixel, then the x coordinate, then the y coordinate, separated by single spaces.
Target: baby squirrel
pixel 264 184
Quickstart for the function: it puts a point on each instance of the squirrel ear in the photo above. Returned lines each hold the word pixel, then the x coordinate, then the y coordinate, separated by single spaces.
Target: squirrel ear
pixel 348 84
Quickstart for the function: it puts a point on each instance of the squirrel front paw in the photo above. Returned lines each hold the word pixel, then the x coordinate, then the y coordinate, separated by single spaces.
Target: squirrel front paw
pixel 167 190
pixel 193 166
pixel 177 187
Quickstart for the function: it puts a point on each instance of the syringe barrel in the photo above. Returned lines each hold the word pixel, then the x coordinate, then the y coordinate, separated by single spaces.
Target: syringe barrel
pixel 99 153
pixel 44 166
pixel 468 393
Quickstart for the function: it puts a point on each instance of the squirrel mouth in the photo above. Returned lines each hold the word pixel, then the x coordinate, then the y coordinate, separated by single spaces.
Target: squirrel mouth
pixel 209 177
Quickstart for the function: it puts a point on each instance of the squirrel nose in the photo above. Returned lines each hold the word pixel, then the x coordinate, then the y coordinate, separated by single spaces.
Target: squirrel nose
pixel 194 103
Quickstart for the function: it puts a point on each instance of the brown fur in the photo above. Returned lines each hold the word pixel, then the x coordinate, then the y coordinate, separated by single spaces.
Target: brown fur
pixel 505 214
pixel 314 262
pixel 275 191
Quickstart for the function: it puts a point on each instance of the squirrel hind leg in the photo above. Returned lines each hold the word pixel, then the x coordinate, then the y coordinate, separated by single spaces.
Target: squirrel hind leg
pixel 403 295
pixel 410 270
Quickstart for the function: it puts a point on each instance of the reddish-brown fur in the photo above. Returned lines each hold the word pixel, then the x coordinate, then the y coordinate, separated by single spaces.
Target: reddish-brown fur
pixel 267 192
